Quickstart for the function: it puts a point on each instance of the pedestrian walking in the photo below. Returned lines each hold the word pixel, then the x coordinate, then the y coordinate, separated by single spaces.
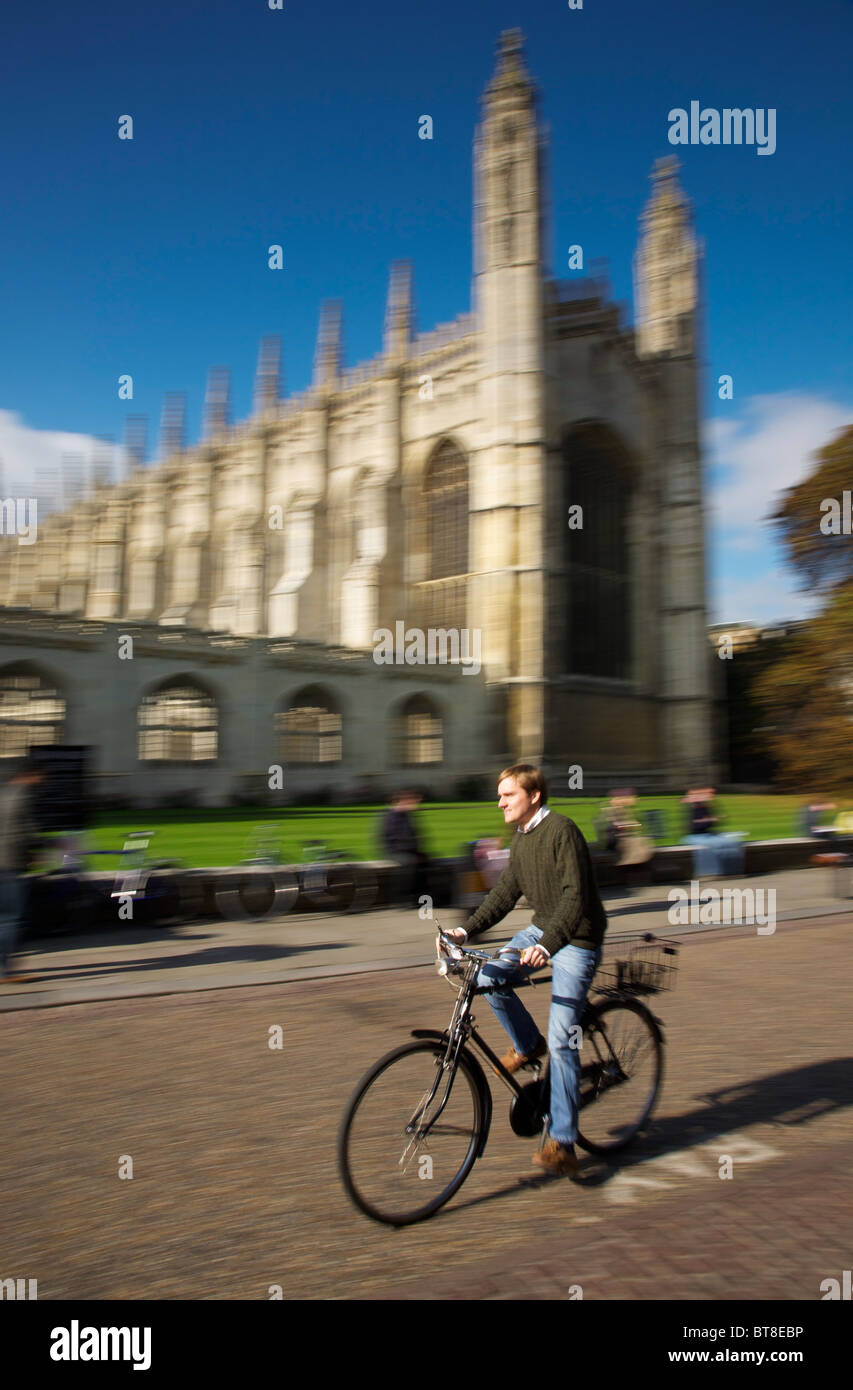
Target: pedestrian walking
pixel 18 839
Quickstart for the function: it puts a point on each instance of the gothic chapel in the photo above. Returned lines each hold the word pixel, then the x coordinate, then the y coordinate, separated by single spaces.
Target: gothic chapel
pixel 531 472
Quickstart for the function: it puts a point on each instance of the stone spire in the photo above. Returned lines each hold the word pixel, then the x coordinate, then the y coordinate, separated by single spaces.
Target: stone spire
pixel 510 76
pixel 173 423
pixel 136 439
pixel 268 375
pixel 666 268
pixel 508 153
pixel 507 303
pixel 329 353
pixel 399 311
pixel 217 401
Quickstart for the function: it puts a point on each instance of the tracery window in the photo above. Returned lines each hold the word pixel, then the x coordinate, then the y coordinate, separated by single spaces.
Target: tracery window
pixel 418 733
pixel 309 728
pixel 32 712
pixel 446 517
pixel 598 480
pixel 178 723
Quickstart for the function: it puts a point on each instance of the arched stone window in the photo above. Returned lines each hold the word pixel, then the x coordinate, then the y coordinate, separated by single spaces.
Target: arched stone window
pixel 178 723
pixel 598 479
pixel 309 728
pixel 446 518
pixel 418 733
pixel 32 711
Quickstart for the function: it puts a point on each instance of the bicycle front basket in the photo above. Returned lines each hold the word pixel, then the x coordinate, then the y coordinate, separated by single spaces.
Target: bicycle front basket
pixel 651 969
pixel 648 970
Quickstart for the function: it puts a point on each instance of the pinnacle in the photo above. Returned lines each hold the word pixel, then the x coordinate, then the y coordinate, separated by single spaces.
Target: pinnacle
pixel 511 41
pixel 665 168
pixel 510 60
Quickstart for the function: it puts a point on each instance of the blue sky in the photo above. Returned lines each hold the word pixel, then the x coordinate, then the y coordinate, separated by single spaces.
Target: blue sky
pixel 299 126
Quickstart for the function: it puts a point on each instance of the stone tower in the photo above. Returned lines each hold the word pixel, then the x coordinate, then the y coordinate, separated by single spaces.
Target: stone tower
pixel 507 473
pixel 666 269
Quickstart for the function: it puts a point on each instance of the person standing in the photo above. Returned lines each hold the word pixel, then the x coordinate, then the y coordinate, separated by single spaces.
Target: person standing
pixel 18 835
pixel 400 842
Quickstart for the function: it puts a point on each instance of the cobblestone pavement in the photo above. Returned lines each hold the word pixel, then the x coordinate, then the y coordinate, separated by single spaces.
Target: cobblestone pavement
pixel 235 1187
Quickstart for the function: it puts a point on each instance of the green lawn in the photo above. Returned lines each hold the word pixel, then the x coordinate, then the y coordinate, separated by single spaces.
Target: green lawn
pixel 203 838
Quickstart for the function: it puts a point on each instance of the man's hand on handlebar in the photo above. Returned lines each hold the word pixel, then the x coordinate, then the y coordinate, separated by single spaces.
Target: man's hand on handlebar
pixel 457 934
pixel 534 956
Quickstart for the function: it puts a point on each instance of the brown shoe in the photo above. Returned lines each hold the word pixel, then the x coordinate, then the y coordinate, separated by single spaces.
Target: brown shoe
pixel 513 1061
pixel 557 1158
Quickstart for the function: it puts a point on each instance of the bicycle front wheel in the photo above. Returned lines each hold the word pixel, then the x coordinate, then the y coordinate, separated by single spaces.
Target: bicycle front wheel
pixel 621 1071
pixel 411 1134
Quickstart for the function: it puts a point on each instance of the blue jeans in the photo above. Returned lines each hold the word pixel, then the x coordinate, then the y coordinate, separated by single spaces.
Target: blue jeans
pixel 573 969
pixel 13 888
pixel 716 854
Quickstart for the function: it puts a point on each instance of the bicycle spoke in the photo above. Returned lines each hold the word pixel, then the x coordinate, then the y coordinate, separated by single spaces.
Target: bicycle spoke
pixel 401 1164
pixel 619 1084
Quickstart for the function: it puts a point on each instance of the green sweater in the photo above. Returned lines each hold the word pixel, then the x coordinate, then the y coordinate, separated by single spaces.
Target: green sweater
pixel 551 867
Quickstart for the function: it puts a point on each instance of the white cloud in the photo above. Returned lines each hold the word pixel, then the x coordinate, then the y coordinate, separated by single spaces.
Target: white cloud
pixel 34 461
pixel 771 597
pixel 752 458
pixel 768 448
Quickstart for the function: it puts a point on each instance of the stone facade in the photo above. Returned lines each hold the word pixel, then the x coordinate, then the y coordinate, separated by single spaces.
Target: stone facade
pixel 530 473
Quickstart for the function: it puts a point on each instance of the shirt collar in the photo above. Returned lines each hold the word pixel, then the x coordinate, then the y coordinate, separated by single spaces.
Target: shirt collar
pixel 531 825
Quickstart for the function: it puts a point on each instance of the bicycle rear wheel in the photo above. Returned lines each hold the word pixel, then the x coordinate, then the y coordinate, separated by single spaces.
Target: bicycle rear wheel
pixel 621 1071
pixel 402 1153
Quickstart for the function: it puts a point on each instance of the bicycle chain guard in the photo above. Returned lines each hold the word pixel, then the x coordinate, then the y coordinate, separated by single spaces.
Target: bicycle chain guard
pixel 526 1112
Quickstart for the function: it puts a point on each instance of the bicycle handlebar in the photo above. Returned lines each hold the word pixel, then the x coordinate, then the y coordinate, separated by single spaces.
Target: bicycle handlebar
pixel 458 953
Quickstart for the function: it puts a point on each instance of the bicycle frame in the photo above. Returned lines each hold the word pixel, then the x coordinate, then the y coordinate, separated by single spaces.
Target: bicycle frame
pixel 461 1030
pixel 457 1034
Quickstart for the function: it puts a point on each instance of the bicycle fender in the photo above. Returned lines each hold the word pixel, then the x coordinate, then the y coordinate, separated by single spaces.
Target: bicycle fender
pixel 479 1077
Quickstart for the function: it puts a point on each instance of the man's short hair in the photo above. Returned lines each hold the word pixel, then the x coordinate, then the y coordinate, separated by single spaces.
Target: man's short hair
pixel 531 778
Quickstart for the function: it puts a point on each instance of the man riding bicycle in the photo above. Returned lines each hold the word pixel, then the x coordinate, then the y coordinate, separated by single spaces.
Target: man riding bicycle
pixel 550 866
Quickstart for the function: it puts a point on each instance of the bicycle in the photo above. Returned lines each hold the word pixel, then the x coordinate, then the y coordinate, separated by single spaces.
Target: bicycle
pixel 166 891
pixel 328 879
pixel 388 1139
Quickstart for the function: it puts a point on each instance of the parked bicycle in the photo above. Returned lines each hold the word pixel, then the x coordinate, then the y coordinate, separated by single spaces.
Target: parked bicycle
pixel 420 1118
pixel 264 886
pixel 161 891
pixel 66 898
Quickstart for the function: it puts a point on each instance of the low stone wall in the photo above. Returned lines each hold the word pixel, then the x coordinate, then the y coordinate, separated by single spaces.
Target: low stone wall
pixel 77 903
pixel 674 863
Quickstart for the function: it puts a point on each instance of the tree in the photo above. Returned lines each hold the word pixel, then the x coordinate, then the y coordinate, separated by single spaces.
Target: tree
pixel 749 755
pixel 823 562
pixel 808 694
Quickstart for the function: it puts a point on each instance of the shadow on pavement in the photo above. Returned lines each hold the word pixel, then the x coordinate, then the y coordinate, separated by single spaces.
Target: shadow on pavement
pixel 217 955
pixel 640 905
pixel 108 936
pixel 784 1098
